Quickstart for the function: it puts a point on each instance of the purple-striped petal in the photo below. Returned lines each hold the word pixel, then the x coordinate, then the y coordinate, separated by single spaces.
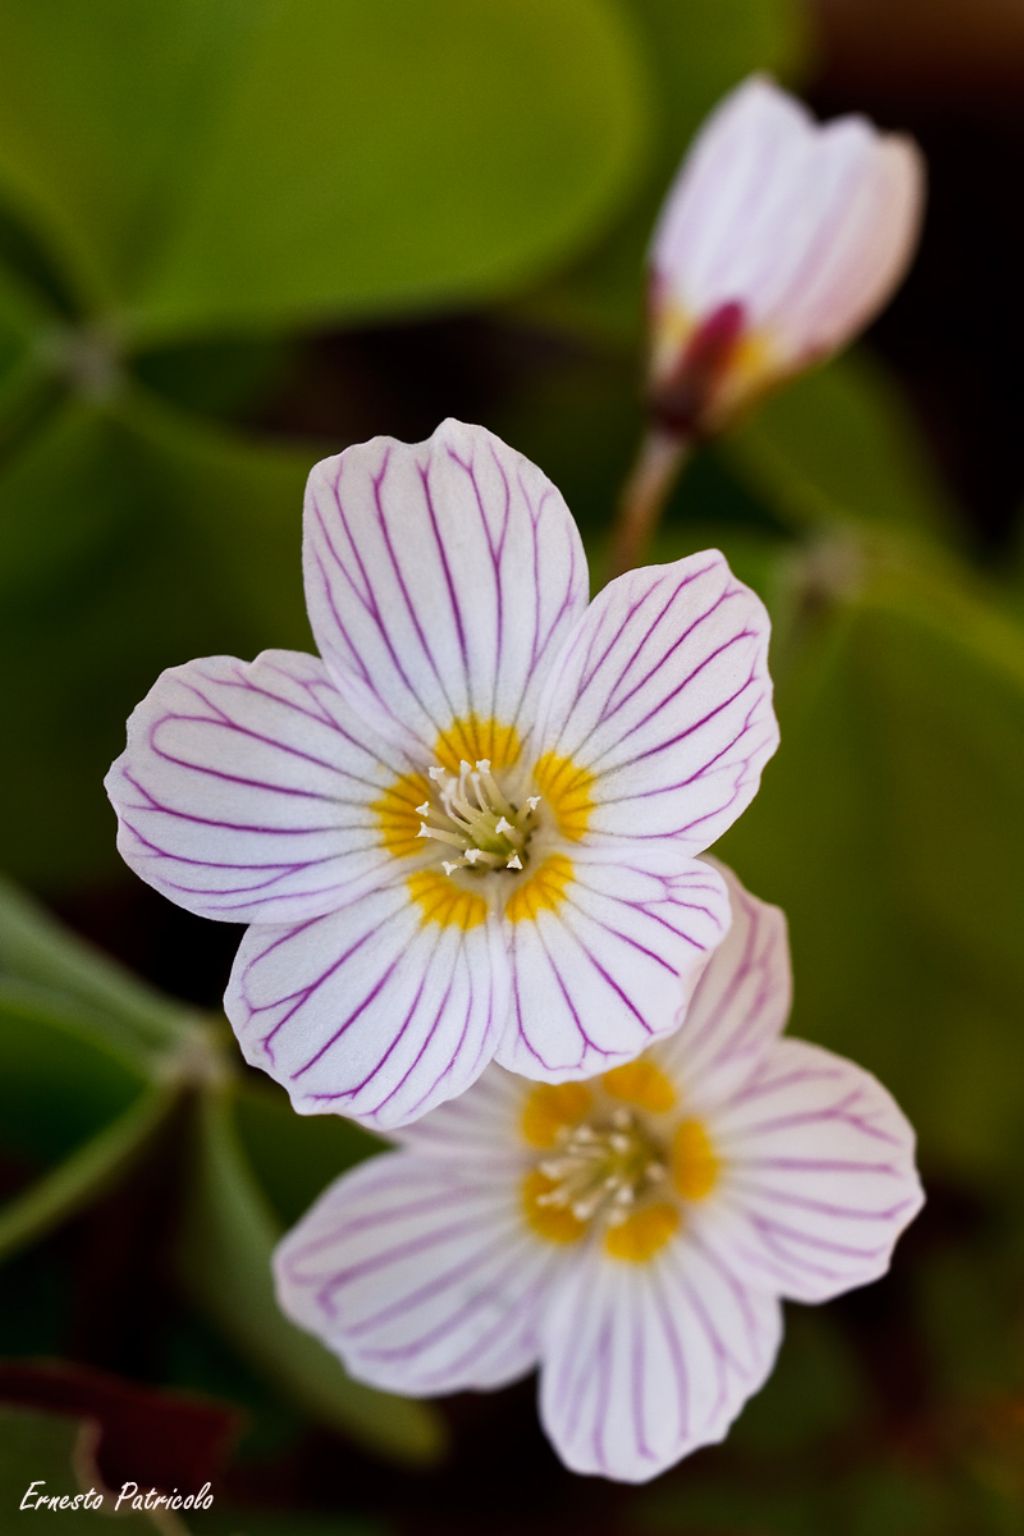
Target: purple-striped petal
pixel 605 970
pixel 805 228
pixel 662 702
pixel 739 1006
pixel 643 1363
pixel 818 1174
pixel 483 1125
pixel 441 578
pixel 376 1010
pixel 420 1274
pixel 245 790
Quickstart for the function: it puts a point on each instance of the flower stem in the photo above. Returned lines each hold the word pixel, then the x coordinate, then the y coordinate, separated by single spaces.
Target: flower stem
pixel 658 464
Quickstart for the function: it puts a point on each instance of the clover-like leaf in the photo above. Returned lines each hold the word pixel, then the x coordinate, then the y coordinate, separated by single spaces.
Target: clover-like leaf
pixel 841 443
pixel 295 161
pixel 133 540
pixel 890 831
pixel 78 1105
pixel 229 1235
pixel 37 951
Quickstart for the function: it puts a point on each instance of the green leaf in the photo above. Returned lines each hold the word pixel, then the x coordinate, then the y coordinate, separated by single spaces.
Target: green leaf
pixel 34 948
pixel 294 1157
pixel 86 1173
pixel 228 1239
pixel 61 1453
pixel 815 1395
pixel 889 829
pixel 841 442
pixel 77 1103
pixel 134 540
pixel 293 161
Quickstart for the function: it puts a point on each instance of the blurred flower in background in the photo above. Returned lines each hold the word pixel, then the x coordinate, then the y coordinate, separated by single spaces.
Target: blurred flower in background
pixel 779 240
pixel 632 1233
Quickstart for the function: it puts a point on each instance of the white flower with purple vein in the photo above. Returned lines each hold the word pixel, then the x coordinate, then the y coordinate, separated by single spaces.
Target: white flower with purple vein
pixel 632 1234
pixel 469 830
pixel 779 240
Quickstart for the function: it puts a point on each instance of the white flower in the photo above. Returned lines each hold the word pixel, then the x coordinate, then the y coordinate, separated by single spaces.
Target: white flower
pixel 632 1234
pixel 779 240
pixel 470 829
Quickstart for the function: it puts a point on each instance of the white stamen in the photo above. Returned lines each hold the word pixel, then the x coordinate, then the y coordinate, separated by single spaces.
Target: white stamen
pixel 515 862
pixel 437 774
pixel 504 826
pixel 532 802
pixel 424 809
pixel 472 855
pixel 601 1170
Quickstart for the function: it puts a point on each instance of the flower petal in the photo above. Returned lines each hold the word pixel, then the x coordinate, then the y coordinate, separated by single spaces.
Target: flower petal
pixel 483 1125
pixel 245 790
pixel 441 579
pixel 809 227
pixel 663 699
pixel 420 1274
pixel 818 1174
pixel 607 967
pixel 379 1010
pixel 866 236
pixel 726 179
pixel 643 1363
pixel 739 1006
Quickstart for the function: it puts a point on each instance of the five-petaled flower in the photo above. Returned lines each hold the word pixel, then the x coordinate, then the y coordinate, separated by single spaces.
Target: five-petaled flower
pixel 470 829
pixel 779 240
pixel 633 1234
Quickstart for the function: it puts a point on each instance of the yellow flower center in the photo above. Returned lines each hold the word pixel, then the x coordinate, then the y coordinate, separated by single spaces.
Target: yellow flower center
pixel 615 1159
pixel 487 814
pixel 476 825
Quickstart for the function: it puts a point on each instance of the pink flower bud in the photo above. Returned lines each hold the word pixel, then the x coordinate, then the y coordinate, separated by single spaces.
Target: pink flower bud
pixel 780 239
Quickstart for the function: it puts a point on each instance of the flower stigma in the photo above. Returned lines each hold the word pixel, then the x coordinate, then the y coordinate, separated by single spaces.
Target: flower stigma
pixel 602 1170
pixel 468 813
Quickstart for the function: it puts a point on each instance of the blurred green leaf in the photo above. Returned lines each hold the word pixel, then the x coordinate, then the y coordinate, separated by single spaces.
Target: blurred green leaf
pixel 134 540
pixel 297 160
pixel 34 948
pixel 815 1395
pixel 76 1109
pixel 841 442
pixel 28 389
pixel 229 1232
pixel 889 829
pixel 60 1453
pixel 976 1351
pixel 295 1157
pixel 22 316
